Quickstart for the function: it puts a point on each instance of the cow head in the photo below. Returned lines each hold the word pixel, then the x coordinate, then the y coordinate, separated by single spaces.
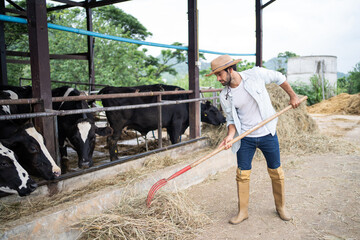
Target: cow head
pixel 211 114
pixel 13 177
pixel 33 155
pixel 83 138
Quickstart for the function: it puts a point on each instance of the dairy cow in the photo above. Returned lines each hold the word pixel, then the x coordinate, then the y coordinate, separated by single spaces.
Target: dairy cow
pixel 22 137
pixel 13 177
pixel 175 118
pixel 77 130
pixel 211 115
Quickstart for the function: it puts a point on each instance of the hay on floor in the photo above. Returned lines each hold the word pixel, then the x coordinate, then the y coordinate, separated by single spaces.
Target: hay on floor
pixel 171 216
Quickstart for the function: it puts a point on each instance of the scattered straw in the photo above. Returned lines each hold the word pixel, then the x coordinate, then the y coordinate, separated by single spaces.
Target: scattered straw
pixel 22 208
pixel 171 216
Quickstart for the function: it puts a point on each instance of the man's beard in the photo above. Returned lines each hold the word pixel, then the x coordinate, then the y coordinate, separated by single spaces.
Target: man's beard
pixel 228 80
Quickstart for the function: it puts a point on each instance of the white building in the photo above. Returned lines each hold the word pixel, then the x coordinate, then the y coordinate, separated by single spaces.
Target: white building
pixel 301 69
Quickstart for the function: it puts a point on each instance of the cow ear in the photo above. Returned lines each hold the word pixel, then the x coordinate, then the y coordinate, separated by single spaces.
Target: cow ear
pixel 208 103
pixel 104 131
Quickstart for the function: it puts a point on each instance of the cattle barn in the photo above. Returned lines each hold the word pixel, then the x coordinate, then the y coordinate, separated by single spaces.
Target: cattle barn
pixel 43 113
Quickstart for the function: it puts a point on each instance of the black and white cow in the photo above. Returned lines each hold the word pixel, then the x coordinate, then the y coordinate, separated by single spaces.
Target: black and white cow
pixel 13 177
pixel 77 130
pixel 24 139
pixel 175 118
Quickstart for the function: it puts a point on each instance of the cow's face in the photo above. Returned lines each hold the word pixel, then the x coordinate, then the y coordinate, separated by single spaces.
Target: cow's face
pixel 33 155
pixel 83 140
pixel 13 177
pixel 211 114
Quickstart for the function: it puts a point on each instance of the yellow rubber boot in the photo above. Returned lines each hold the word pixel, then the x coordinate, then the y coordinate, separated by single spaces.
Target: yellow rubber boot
pixel 243 187
pixel 278 186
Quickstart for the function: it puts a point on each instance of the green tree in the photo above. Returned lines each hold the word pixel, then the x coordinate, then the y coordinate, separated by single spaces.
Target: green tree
pixel 284 57
pixel 351 83
pixel 354 80
pixel 116 63
pixel 342 85
pixel 287 55
pixel 117 18
pixel 244 65
pixel 16 39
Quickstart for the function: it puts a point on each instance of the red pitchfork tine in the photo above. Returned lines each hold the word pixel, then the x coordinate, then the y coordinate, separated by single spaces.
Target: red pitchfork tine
pixel 153 190
pixel 162 182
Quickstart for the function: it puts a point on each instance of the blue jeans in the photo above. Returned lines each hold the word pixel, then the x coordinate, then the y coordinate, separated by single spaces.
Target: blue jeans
pixel 269 146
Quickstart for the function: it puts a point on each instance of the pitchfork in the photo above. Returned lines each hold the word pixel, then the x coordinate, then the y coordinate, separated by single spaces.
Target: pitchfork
pixel 163 181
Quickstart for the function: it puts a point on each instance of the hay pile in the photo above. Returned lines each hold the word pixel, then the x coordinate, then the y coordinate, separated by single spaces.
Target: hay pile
pixel 171 216
pixel 341 104
pixel 298 133
pixel 25 208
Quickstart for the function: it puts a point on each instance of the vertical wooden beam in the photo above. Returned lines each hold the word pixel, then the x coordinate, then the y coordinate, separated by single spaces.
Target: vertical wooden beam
pixel 258 10
pixel 40 68
pixel 3 70
pixel 159 122
pixel 90 44
pixel 193 65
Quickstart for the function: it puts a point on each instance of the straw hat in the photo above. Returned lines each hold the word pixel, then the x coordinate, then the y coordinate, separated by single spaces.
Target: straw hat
pixel 220 63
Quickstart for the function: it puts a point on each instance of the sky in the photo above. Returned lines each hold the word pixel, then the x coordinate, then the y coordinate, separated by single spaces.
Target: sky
pixel 304 27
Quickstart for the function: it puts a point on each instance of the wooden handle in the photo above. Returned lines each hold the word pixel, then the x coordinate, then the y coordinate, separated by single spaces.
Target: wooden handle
pixel 245 134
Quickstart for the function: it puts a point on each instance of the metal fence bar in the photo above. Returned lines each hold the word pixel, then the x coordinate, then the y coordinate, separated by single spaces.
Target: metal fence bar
pixel 119 95
pixel 92 97
pixel 98 97
pixel 92 110
pixel 57 81
pixel 211 90
pixel 20 101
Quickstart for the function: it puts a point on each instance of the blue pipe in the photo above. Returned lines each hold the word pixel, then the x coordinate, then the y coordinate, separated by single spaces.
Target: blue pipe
pixel 110 37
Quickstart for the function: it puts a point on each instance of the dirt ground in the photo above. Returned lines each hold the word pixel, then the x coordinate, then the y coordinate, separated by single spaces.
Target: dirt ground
pixel 322 194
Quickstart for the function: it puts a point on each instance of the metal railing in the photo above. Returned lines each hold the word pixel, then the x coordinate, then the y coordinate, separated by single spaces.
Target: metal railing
pixel 55 113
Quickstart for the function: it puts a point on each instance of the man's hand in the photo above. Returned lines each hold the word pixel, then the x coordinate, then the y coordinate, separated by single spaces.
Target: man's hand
pixel 294 101
pixel 226 143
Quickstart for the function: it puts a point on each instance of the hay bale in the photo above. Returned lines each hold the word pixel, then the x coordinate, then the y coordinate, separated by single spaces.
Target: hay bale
pixel 215 134
pixel 171 216
pixel 343 103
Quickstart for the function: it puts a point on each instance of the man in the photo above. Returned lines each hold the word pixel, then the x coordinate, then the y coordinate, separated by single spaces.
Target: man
pixel 246 103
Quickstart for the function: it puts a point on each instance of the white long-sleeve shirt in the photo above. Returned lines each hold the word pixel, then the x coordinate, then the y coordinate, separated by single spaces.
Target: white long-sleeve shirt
pixel 254 81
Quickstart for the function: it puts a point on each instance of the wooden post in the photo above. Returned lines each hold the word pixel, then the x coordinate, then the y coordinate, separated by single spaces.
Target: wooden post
pixel 159 122
pixel 193 65
pixel 258 9
pixel 90 44
pixel 3 70
pixel 40 69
